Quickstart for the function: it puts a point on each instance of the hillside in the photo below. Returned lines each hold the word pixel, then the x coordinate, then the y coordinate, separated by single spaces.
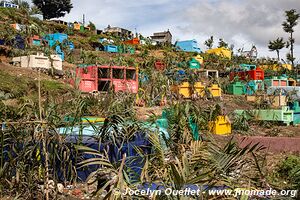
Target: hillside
pixel 90 115
pixel 18 83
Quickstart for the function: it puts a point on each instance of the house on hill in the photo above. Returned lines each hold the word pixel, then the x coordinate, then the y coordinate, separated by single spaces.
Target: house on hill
pixel 164 37
pixel 59 22
pixel 117 31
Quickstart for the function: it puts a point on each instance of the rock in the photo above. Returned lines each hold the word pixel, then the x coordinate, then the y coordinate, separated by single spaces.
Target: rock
pixel 60 188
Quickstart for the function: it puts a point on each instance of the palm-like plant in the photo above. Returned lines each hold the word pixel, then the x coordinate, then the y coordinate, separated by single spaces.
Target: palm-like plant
pixel 288 26
pixel 21 4
pixel 114 158
pixel 200 164
pixel 210 42
pixel 24 147
pixel 8 34
pixel 186 162
pixel 111 179
pixel 276 45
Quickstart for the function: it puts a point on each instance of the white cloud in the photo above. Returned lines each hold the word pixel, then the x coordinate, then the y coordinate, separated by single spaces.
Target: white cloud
pixel 242 23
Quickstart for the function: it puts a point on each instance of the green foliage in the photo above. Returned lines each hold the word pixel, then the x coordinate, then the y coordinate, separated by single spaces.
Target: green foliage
pixel 190 163
pixel 88 57
pixel 22 166
pixel 21 4
pixel 53 8
pixel 185 161
pixel 288 26
pixel 22 86
pixel 276 45
pixel 291 20
pixel 156 88
pixel 13 85
pixel 92 26
pixel 241 123
pixel 210 42
pixel 35 10
pixel 54 86
pixel 122 104
pixel 289 169
pixel 8 33
pixel 180 117
pixel 222 43
pixel 115 177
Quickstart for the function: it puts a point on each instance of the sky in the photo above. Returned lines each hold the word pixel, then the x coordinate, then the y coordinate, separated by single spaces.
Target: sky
pixel 240 22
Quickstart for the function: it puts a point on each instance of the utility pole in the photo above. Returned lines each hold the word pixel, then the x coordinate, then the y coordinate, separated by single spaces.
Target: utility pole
pixel 83 20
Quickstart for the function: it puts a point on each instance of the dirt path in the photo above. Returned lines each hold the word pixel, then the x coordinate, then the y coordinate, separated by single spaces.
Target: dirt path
pixel 272 144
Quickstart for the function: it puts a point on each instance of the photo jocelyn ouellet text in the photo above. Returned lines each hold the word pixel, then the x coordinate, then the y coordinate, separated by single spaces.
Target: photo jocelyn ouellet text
pixel 211 192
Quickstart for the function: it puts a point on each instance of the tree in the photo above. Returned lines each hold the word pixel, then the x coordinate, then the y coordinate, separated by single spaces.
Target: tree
pixel 35 10
pixel 288 26
pixel 222 43
pixel 53 8
pixel 92 26
pixel 276 45
pixel 210 42
pixel 21 4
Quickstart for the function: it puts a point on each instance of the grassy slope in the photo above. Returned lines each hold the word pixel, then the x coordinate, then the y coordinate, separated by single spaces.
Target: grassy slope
pixel 13 84
pixel 22 82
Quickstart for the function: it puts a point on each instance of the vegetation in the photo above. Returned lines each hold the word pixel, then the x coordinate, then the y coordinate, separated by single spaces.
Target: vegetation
pixel 288 26
pixel 21 4
pixel 38 152
pixel 210 42
pixel 276 45
pixel 183 162
pixel 288 172
pixel 53 8
pixel 222 43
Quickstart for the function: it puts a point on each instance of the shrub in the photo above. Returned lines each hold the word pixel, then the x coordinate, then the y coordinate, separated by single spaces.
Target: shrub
pixel 289 169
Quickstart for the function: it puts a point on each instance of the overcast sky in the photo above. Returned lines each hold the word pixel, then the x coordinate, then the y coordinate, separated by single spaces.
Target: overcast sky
pixel 238 22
